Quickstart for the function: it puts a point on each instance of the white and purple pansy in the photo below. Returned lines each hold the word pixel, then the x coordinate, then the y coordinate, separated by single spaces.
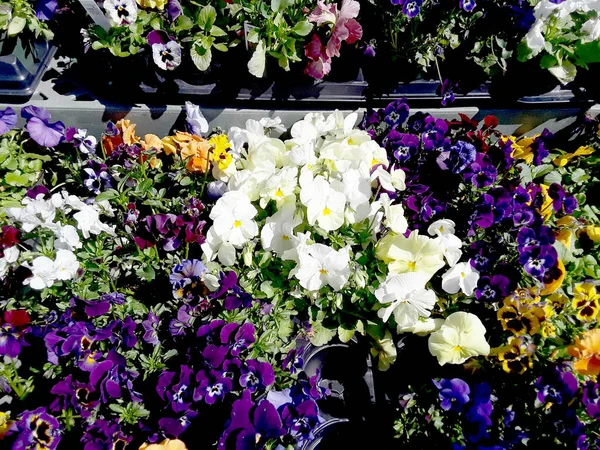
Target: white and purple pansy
pixel 166 52
pixel 121 12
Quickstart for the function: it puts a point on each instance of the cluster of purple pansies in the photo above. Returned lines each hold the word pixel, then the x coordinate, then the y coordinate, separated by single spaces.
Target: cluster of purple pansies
pixel 90 342
pixel 448 162
pixel 168 231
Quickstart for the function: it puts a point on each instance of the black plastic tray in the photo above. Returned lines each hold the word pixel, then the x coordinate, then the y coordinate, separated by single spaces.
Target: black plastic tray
pixel 21 71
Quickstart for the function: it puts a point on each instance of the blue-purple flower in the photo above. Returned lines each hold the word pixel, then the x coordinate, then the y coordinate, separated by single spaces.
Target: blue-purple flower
pixel 8 120
pixel 36 430
pixel 41 130
pixel 468 5
pixel 454 394
pixel 492 289
pixel 412 8
pixel 538 260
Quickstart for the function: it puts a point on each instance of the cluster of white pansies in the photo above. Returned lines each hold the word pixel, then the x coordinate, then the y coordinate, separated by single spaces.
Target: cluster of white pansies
pixel 305 199
pixel 11 255
pixel 49 214
pixel 321 179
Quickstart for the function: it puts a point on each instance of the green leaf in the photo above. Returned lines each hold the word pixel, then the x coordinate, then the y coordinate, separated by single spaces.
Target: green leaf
pixel 107 195
pixel 185 181
pixel 16 25
pixel 321 334
pixel 207 17
pixel 552 177
pixel 201 56
pixel 579 175
pixel 345 335
pixel 302 28
pixel 220 47
pixel 18 179
pixel 217 32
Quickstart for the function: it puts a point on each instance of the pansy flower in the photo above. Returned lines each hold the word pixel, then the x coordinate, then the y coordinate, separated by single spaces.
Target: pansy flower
pixel 257 375
pixel 492 289
pixel 41 130
pixel 166 52
pixel 121 12
pixel 468 5
pixel 454 394
pixel 36 429
pixel 516 356
pixel 586 301
pixel 538 260
pixel 45 9
pixel 412 8
pixel 8 120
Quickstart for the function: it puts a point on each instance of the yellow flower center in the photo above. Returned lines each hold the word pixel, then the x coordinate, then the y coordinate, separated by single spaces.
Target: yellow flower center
pixel 278 193
pixel 457 348
pixel 412 265
pixel 326 211
pixel 285 238
pixel 323 272
pixel 462 275
pixel 237 224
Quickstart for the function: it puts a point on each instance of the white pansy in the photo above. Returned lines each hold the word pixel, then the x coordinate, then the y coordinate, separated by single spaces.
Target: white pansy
pixel 88 222
pixel 407 297
pixel 278 233
pixel 461 337
pixel 451 245
pixel 394 215
pixel 67 238
pixel 36 212
pixel 266 156
pixel 460 277
pixel 214 248
pixel 392 181
pixel 273 124
pixel 43 273
pixel 232 217
pixel 249 182
pixel 324 205
pixel 320 265
pixel 279 187
pixel 65 265
pixel 11 254
pixel 441 227
pixel 320 122
pixel 120 12
pixel 3 267
pixel 417 253
pixel 356 187
pixel 298 241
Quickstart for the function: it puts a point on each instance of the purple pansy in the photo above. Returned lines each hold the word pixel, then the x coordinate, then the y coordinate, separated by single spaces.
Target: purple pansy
pixel 166 52
pixel 527 237
pixel 538 260
pixel 481 172
pixel 591 399
pixel 36 429
pixel 244 336
pixel 8 120
pixel 104 434
pixel 454 393
pixel 235 296
pixel 412 8
pixel 174 10
pixel 403 145
pixel 460 155
pixel 257 375
pixel 557 387
pixel 40 129
pixel 561 202
pixel 186 273
pixel 396 113
pixel 150 326
pixel 492 289
pixel 10 341
pixel 468 5
pixel 251 425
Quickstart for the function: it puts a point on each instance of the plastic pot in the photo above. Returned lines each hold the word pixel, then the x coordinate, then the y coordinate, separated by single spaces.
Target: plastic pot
pixel 22 65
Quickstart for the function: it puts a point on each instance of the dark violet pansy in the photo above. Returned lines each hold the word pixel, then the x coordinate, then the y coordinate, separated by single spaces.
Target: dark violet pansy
pixel 257 375
pixel 188 272
pixel 561 201
pixel 174 10
pixel 446 90
pixel 492 289
pixel 40 129
pixel 481 172
pixel 481 407
pixel 527 237
pixel 396 113
pixel 36 429
pixel 8 120
pixel 251 424
pixel 591 399
pixel 10 342
pixel 97 177
pixel 458 157
pixel 104 434
pixel 150 326
pixel 166 52
pixel 454 393
pixel 558 387
pixel 538 260
pixel 45 9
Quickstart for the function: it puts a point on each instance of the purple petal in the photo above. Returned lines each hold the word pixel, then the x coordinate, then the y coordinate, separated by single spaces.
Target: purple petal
pixel 46 135
pixel 44 9
pixel 31 111
pixel 8 120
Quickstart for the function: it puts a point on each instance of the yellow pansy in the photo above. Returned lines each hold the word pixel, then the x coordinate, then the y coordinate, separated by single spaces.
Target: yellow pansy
pixel 219 154
pixel 522 148
pixel 169 145
pixel 516 355
pixel 5 423
pixel 151 4
pixel 546 208
pixel 562 160
pixel 586 301
pixel 593 233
